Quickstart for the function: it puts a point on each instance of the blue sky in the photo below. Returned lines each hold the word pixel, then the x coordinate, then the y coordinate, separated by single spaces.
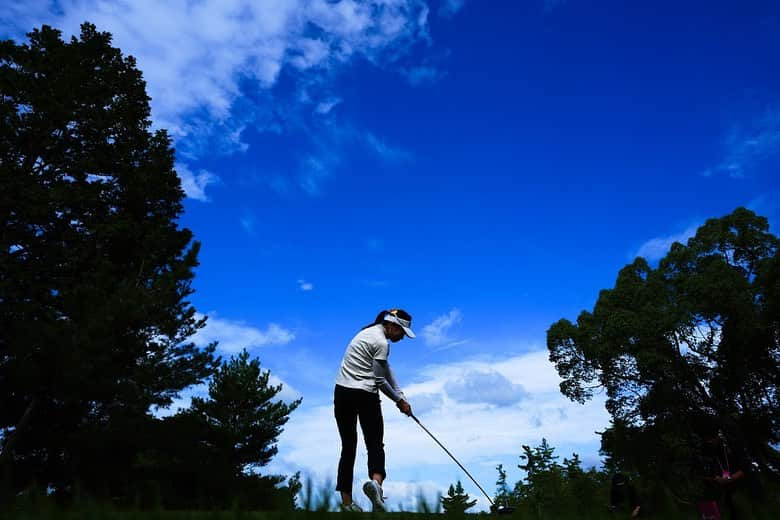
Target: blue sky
pixel 488 166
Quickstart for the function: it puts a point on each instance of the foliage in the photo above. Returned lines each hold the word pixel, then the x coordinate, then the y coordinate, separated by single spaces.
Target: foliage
pixel 210 454
pixel 682 348
pixel 504 496
pixel 457 501
pixel 95 322
pixel 94 271
pixel 551 490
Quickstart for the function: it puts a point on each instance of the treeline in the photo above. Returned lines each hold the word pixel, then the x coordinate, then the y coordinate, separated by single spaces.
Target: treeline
pixel 555 489
pixel 687 353
pixel 95 325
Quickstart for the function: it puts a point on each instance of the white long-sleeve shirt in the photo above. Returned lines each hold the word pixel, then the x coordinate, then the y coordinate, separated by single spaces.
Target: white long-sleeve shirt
pixel 365 365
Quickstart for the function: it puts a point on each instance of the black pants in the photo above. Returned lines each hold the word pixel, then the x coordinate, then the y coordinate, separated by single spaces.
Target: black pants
pixel 349 405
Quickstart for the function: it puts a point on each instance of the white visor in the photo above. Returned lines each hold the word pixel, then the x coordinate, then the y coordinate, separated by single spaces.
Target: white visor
pixel 405 324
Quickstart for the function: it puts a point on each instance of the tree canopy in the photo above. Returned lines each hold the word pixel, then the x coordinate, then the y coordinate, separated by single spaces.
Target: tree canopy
pixel 95 274
pixel 689 345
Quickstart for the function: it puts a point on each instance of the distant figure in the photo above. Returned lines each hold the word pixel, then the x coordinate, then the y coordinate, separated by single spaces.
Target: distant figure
pixel 622 492
pixel 725 469
pixel 363 373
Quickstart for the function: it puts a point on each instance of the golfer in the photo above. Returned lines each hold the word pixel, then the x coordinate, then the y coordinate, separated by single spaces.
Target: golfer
pixel 363 373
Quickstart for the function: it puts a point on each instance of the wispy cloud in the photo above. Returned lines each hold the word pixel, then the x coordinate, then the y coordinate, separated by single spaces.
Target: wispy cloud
pixel 329 144
pixel 194 184
pixel 305 286
pixel 437 333
pixel 314 170
pixel 201 59
pixel 384 150
pixel 656 248
pixel 324 107
pixel 749 144
pixel 234 336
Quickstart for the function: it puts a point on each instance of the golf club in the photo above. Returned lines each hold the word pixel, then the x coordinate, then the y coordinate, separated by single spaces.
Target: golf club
pixel 493 507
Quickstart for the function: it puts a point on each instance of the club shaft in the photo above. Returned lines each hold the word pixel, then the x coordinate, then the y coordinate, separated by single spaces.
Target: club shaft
pixel 453 458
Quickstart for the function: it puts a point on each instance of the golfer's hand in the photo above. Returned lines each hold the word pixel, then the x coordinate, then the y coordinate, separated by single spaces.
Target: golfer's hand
pixel 404 407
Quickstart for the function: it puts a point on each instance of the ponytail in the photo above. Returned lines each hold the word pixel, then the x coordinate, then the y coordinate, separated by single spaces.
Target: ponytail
pixel 379 319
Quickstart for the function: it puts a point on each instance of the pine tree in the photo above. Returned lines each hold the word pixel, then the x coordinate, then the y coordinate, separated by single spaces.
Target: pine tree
pixel 242 413
pixel 95 272
pixel 240 423
pixel 504 496
pixel 457 500
pixel 544 478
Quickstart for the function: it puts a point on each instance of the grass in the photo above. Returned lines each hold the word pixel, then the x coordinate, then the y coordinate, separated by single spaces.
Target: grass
pixel 321 504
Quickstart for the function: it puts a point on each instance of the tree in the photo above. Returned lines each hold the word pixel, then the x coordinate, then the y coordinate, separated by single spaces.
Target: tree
pixel 457 501
pixel 94 270
pixel 504 496
pixel 213 451
pixel 240 412
pixel 693 341
pixel 543 484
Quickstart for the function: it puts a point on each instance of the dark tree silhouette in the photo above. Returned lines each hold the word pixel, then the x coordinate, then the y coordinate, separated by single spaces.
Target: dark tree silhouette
pixel 457 500
pixel 94 269
pixel 692 342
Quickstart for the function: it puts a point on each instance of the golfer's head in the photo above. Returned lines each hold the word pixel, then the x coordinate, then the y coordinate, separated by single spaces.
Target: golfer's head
pixel 398 323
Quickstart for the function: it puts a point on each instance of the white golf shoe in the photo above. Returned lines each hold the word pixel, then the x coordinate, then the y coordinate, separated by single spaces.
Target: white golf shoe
pixel 373 491
pixel 351 508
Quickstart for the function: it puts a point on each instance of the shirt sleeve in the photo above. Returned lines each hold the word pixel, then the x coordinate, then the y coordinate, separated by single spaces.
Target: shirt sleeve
pixel 382 350
pixel 385 380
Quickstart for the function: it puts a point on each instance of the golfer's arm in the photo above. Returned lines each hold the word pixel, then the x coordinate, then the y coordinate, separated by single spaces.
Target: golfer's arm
pixel 385 380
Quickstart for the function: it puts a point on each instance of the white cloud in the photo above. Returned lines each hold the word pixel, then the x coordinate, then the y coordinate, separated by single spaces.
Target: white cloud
pixel 303 285
pixel 324 107
pixel 436 334
pixel 479 434
pixel 194 184
pixel 234 336
pixel 426 403
pixel 194 54
pixel 287 394
pixel 196 57
pixel 656 248
pixel 485 387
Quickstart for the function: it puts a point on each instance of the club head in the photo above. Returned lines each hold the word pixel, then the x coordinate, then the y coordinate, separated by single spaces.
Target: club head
pixel 503 510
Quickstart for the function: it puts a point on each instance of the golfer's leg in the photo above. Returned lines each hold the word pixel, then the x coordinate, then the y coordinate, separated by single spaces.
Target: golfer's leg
pixel 346 413
pixel 373 432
